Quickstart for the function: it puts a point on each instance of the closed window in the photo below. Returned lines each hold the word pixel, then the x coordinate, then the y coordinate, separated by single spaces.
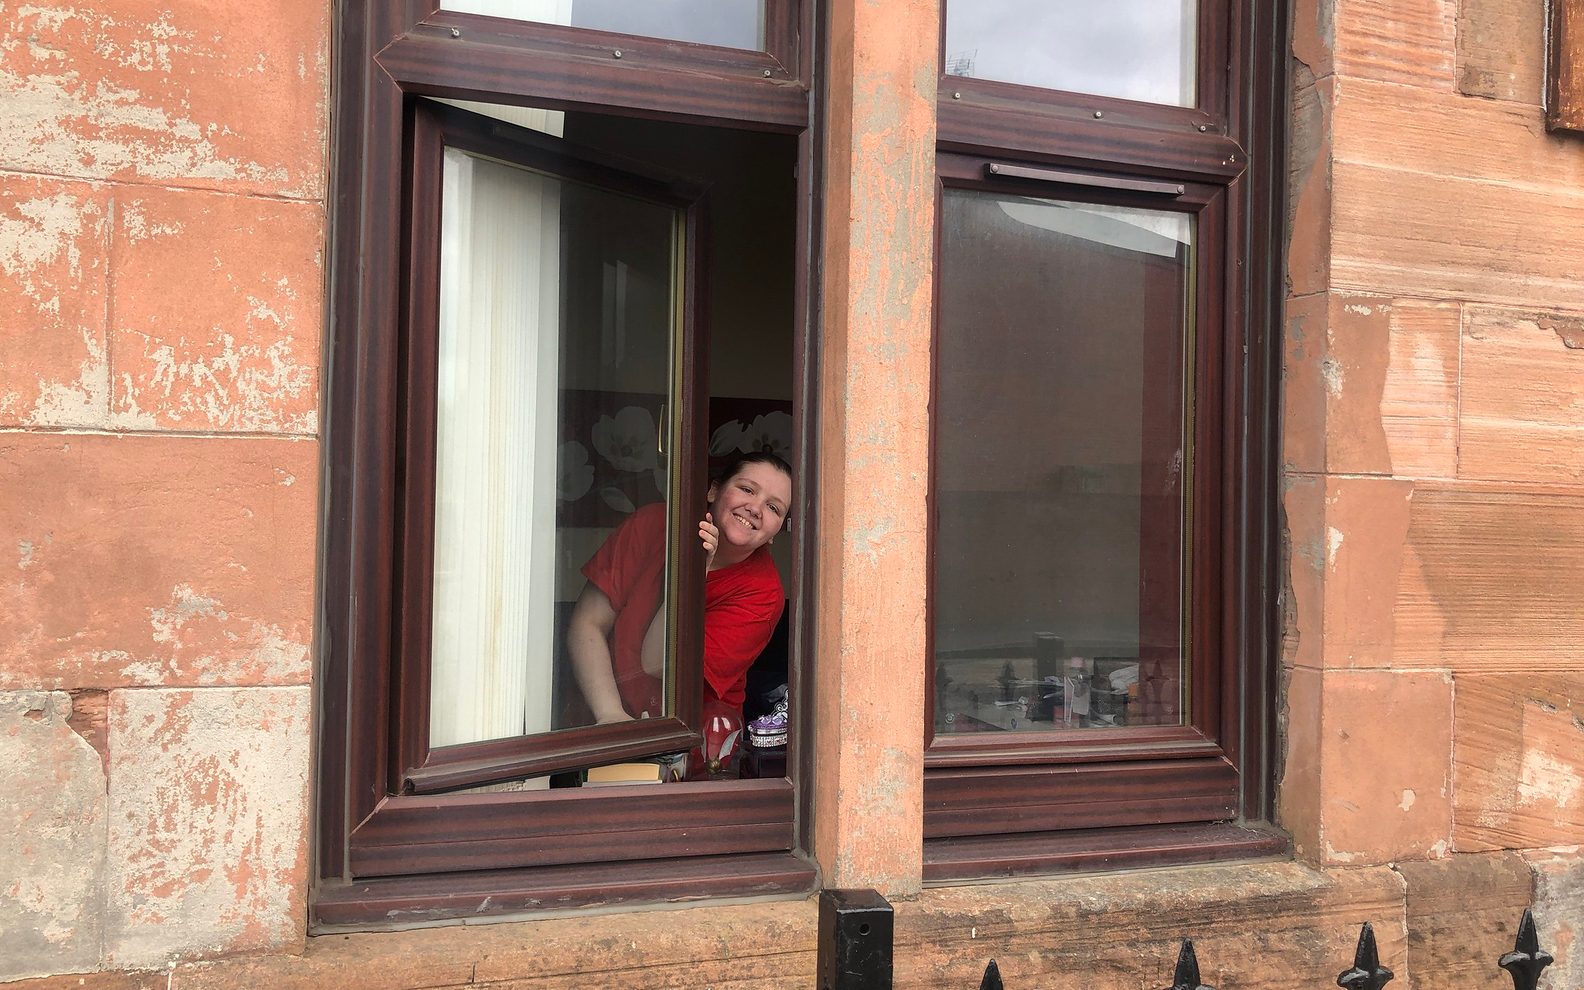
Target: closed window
pixel 1102 494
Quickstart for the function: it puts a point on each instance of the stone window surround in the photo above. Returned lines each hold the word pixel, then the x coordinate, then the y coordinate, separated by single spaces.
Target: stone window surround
pixel 877 551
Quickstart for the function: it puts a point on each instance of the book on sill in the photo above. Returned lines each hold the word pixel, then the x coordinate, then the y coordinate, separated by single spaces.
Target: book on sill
pixel 620 774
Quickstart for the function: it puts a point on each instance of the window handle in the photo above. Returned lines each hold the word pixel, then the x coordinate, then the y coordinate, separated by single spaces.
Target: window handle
pixel 1064 177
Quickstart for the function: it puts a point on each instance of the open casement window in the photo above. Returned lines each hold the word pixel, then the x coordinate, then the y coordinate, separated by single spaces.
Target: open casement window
pixel 539 278
pixel 1102 497
pixel 537 217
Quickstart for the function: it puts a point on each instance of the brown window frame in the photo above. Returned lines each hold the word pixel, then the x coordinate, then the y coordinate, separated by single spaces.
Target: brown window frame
pixel 424 769
pixel 386 852
pixel 1083 799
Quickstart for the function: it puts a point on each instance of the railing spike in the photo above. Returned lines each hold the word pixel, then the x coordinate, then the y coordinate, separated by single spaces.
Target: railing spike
pixel 1186 975
pixel 1367 973
pixel 1525 962
pixel 992 978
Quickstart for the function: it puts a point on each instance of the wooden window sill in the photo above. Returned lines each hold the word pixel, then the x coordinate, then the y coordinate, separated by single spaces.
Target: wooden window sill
pixel 951 860
pixel 404 902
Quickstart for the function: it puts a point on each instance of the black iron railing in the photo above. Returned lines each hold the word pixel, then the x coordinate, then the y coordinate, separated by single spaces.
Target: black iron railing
pixel 856 940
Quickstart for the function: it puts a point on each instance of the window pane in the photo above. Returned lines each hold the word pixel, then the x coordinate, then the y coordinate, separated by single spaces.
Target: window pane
pixel 558 307
pixel 1133 49
pixel 1062 465
pixel 728 23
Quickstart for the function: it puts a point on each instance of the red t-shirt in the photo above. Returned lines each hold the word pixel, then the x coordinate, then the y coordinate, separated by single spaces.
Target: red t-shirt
pixel 742 604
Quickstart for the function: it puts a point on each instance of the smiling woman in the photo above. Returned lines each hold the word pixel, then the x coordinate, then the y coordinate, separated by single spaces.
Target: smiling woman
pixel 616 633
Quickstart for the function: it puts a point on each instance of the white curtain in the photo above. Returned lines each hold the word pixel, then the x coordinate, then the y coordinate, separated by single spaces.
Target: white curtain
pixel 496 452
pixel 494 595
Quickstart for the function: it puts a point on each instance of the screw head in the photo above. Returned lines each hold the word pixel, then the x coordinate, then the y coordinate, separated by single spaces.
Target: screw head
pixel 616 53
pixel 456 32
pixel 995 168
pixel 956 96
pixel 767 73
pixel 1098 114
pixel 1203 128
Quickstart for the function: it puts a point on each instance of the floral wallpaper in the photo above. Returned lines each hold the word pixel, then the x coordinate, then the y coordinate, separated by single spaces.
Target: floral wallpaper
pixel 609 464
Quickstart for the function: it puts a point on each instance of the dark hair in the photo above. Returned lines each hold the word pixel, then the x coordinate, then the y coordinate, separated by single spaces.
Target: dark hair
pixel 737 462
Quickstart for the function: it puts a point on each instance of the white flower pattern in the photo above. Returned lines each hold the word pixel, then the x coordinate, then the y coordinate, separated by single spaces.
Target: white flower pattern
pixel 628 439
pixel 574 473
pixel 726 438
pixel 770 432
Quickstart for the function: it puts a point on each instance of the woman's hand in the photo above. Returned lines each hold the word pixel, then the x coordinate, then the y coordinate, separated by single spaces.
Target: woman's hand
pixel 709 536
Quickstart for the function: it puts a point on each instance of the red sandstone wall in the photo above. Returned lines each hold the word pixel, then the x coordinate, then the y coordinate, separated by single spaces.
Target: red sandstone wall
pixel 162 184
pixel 1434 446
pixel 161 243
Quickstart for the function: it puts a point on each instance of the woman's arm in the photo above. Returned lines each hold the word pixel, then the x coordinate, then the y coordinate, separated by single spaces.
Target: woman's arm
pixel 588 642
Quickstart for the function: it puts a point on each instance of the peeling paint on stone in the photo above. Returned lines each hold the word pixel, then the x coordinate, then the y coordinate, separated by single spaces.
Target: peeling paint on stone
pixel 1331 371
pixel 1542 777
pixel 144 91
pixel 54 367
pixel 157 560
pixel 207 838
pixel 234 344
pixel 52 839
pixel 1571 334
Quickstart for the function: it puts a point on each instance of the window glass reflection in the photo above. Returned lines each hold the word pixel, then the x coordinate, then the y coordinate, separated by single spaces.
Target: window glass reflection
pixel 557 303
pixel 727 23
pixel 1062 465
pixel 1132 49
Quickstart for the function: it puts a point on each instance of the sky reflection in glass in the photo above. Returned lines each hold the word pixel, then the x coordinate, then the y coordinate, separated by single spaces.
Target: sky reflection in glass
pixel 1133 49
pixel 727 23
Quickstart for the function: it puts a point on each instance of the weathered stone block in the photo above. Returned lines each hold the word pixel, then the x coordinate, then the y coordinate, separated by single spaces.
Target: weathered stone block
pixel 1298 809
pixel 182 93
pixel 1559 913
pixel 1518 760
pixel 156 560
pixel 1489 579
pixel 1314 37
pixel 1305 395
pixel 217 302
pixel 1347 541
pixel 1268 925
pixel 111 979
pixel 54 238
pixel 768 945
pixel 1419 401
pixel 1390 237
pixel 1463 912
pixel 1523 396
pixel 1402 41
pixel 208 822
pixel 1303 505
pixel 1440 133
pixel 1371 386
pixel 52 839
pixel 1367 522
pixel 1309 192
pixel 1385 780
pixel 1501 49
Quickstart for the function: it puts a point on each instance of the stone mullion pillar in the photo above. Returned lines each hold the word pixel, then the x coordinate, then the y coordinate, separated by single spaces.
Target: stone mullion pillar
pixel 874 376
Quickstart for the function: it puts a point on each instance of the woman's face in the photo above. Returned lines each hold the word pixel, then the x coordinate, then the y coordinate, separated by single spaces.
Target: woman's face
pixel 751 506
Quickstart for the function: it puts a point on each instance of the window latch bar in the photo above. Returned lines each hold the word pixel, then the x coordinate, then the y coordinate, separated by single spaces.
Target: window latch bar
pixel 1069 178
